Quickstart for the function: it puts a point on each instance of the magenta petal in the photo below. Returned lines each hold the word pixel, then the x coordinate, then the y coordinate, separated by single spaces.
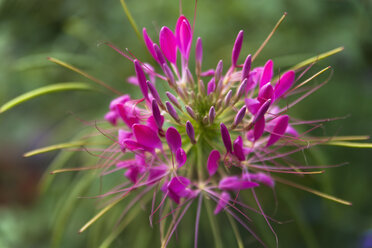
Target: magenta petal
pixel 149 43
pixel 156 173
pixel 252 105
pixel 208 73
pixel 235 183
pixel 224 200
pixel 127 114
pixel 263 178
pixel 181 157
pixel 279 129
pixel 168 44
pixel 178 185
pixel 284 84
pixel 153 124
pixel 259 128
pixel 183 36
pixel 173 139
pixel 226 137
pixel 133 172
pixel 265 93
pixel 141 78
pixel 134 145
pixel 146 136
pixel 112 117
pixel 212 163
pixel 291 131
pixel 238 148
pixel 267 73
pixel 119 100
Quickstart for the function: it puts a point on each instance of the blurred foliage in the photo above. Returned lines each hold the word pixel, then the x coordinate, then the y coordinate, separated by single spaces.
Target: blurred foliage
pixel 73 31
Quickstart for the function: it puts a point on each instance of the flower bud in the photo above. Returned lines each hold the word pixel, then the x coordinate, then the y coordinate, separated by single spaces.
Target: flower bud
pixel 172 112
pixel 237 47
pixel 169 74
pixel 191 112
pixel 173 99
pixel 228 98
pixel 218 73
pixel 246 67
pixel 198 55
pixel 212 114
pixel 154 93
pixel 226 138
pixel 141 78
pixel 190 132
pixel 156 114
pixel 239 116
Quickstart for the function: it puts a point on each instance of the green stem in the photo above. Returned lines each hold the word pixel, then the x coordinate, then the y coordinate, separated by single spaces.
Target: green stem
pixel 235 230
pixel 131 20
pixel 214 225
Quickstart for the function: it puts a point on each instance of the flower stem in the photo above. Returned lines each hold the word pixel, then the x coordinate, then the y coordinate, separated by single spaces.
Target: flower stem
pixel 214 225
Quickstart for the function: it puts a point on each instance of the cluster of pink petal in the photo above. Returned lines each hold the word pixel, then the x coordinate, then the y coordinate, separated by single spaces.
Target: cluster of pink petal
pixel 152 132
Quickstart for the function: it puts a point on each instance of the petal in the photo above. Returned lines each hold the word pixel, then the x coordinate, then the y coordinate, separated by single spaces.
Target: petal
pixel 168 44
pixel 178 185
pixel 252 105
pixel 265 93
pixel 127 114
pixel 156 173
pixel 212 163
pixel 146 136
pixel 183 36
pixel 181 157
pixel 224 200
pixel 173 139
pixel 284 84
pixel 267 73
pixel 279 129
pixel 149 43
pixel 263 178
pixel 235 183
pixel 112 117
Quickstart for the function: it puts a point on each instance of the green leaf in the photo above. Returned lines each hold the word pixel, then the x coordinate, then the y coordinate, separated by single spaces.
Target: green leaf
pixel 43 91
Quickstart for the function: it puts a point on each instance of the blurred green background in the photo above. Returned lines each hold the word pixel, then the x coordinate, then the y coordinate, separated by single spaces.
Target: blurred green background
pixel 72 30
